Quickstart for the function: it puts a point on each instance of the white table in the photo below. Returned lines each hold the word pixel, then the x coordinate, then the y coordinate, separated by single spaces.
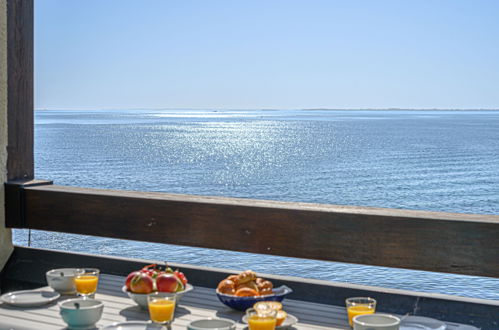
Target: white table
pixel 197 304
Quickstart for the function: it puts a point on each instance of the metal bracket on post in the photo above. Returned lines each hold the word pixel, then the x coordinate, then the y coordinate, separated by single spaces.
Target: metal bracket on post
pixel 15 202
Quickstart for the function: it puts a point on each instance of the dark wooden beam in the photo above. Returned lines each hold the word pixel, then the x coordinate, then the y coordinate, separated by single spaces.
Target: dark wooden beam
pixel 15 201
pixel 441 242
pixel 20 157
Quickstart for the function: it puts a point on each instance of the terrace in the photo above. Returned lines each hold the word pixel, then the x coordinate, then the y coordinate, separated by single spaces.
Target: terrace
pixel 432 241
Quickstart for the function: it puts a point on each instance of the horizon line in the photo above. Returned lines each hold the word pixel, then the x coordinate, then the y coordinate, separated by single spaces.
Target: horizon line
pixel 271 109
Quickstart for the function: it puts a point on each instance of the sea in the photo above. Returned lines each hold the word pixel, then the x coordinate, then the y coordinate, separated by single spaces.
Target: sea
pixel 405 159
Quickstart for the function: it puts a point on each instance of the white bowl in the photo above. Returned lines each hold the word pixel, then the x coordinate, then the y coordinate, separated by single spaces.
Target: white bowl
pixel 81 313
pixel 213 324
pixel 141 298
pixel 62 280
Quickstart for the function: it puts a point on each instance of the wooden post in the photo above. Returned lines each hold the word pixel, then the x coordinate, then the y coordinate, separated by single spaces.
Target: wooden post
pixel 5 234
pixel 20 155
pixel 16 103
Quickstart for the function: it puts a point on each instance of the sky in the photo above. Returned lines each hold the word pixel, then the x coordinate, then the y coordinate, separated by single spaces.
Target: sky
pixel 270 54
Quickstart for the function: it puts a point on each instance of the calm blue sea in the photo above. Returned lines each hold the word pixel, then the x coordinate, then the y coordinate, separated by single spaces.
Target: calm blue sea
pixel 425 160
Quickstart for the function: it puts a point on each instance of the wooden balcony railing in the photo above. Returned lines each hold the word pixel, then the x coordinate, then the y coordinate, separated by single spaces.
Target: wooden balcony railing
pixel 432 241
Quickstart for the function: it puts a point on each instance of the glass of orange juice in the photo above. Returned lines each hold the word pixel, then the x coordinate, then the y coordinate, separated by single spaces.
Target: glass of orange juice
pixel 261 320
pixel 359 306
pixel 86 281
pixel 161 307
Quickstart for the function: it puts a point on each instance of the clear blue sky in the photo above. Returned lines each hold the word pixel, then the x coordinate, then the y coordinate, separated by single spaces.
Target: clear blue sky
pixel 93 54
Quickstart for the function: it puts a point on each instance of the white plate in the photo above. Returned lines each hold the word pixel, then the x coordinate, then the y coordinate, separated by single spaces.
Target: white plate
pixel 132 325
pixel 421 323
pixel 29 298
pixel 289 321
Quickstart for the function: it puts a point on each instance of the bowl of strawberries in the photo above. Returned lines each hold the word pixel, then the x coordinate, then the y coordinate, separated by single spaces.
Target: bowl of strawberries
pixel 242 291
pixel 154 278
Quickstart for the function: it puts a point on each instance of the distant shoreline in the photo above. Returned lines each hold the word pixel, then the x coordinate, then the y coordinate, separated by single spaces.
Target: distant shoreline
pixel 263 109
pixel 396 109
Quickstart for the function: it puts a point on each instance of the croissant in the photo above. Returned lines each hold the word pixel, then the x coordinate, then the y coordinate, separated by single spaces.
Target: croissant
pixel 246 276
pixel 251 285
pixel 246 292
pixel 265 292
pixel 265 286
pixel 233 278
pixel 227 287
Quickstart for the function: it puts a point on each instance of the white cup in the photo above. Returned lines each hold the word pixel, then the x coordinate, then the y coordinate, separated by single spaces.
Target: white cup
pixel 80 312
pixel 376 322
pixel 62 280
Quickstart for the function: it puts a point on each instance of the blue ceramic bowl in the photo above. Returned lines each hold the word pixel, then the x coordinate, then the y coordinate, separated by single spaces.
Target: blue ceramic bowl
pixel 243 303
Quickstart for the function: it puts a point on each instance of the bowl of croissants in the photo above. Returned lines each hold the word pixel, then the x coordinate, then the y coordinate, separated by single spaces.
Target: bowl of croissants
pixel 243 290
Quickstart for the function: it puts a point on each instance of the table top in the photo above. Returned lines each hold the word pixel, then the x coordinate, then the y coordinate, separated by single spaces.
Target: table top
pixel 197 304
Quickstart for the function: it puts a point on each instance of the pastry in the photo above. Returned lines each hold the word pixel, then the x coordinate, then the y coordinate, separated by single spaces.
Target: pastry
pixel 245 284
pixel 246 276
pixel 263 305
pixel 246 292
pixel 266 292
pixel 251 284
pixel 265 286
pixel 227 287
pixel 233 278
pixel 280 317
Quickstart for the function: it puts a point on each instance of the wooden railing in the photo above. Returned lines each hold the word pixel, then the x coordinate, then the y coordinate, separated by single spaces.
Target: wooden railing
pixel 433 241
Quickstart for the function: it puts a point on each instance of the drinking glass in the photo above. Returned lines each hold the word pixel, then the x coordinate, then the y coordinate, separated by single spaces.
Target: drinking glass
pixel 359 306
pixel 261 319
pixel 161 307
pixel 86 281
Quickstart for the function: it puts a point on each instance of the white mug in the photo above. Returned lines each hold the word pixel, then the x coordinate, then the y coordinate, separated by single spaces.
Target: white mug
pixel 376 322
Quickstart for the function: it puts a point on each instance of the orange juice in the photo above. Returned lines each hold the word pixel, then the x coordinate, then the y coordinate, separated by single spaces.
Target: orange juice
pixel 358 310
pixel 256 322
pixel 161 310
pixel 86 284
